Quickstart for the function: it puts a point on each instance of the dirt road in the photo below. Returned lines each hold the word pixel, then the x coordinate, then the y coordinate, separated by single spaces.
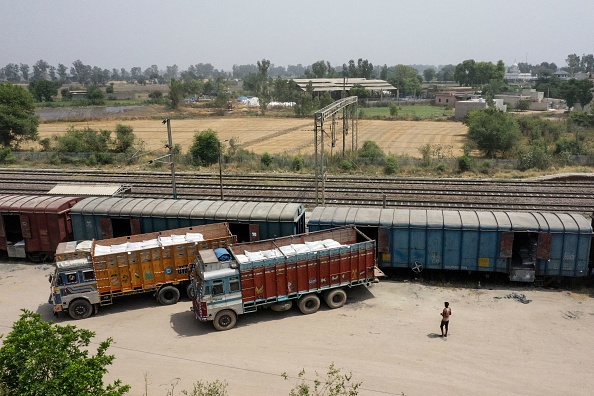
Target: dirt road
pixel 387 335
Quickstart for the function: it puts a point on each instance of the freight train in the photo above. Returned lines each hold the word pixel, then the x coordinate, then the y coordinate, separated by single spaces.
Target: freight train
pixel 527 246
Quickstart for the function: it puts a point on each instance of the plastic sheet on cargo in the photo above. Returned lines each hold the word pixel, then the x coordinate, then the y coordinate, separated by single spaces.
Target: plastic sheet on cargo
pixel 222 254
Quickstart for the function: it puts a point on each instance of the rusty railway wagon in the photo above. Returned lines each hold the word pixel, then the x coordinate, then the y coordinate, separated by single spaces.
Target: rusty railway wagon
pixel 32 226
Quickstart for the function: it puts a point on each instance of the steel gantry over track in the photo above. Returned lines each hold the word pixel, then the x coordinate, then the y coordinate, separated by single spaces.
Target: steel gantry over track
pixel 348 106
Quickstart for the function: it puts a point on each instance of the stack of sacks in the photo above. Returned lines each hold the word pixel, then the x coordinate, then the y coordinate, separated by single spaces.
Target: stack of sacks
pixel 150 243
pixel 84 246
pixel 288 250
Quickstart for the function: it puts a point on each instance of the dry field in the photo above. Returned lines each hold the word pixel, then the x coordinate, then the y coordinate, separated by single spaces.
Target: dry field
pixel 282 135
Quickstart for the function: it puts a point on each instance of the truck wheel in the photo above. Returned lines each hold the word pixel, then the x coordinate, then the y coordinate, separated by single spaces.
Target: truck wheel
pixel 309 304
pixel 80 309
pixel 168 295
pixel 190 291
pixel 335 298
pixel 225 320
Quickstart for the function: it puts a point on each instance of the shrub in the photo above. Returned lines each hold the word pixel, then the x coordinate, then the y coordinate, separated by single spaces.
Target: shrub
pixel 6 156
pixel 464 163
pixel 266 159
pixel 297 164
pixel 441 167
pixel 391 165
pixel 346 165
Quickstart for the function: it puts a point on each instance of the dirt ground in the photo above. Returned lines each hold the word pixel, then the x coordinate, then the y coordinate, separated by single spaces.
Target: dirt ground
pixel 280 135
pixel 387 336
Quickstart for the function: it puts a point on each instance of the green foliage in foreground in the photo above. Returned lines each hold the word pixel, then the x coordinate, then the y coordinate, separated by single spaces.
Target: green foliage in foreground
pixel 335 384
pixel 40 358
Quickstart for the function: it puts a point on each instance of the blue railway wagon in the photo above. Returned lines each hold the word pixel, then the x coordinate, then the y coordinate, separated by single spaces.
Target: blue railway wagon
pixel 109 217
pixel 524 245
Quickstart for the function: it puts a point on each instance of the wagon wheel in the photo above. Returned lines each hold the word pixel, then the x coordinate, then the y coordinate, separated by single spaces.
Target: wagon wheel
pixel 417 267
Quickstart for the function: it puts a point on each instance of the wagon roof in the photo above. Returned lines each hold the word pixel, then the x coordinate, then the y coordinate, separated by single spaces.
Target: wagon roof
pixel 35 203
pixel 451 219
pixel 184 208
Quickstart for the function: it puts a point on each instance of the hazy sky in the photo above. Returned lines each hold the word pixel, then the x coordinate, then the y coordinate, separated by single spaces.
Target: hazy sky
pixel 129 33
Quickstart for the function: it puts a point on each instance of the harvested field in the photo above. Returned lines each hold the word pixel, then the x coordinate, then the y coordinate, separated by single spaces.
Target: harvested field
pixel 284 135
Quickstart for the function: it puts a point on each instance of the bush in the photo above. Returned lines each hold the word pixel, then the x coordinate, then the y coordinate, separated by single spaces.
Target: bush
pixel 464 163
pixel 266 159
pixel 391 165
pixel 538 157
pixel 394 110
pixel 6 156
pixel 346 165
pixel 297 164
pixel 441 167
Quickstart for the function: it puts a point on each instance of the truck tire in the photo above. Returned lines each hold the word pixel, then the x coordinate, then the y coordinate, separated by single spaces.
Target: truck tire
pixel 190 291
pixel 225 320
pixel 335 298
pixel 168 295
pixel 80 309
pixel 309 304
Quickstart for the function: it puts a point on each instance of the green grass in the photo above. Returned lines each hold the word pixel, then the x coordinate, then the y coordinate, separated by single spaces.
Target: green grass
pixel 422 112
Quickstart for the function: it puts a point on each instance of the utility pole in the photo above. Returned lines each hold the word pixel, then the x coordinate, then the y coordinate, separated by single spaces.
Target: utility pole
pixel 171 162
pixel 221 171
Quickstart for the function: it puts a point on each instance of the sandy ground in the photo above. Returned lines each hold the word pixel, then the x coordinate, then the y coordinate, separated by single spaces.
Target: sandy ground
pixel 387 335
pixel 286 135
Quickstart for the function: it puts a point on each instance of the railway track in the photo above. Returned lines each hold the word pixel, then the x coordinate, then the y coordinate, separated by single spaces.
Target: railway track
pixel 542 195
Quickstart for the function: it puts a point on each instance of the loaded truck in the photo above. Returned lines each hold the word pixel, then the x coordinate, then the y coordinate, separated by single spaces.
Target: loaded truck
pixel 274 273
pixel 93 273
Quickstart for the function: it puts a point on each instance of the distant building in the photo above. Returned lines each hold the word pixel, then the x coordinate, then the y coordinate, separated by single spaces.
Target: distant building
pixel 464 106
pixel 380 87
pixel 562 74
pixel 513 75
pixel 534 97
pixel 449 98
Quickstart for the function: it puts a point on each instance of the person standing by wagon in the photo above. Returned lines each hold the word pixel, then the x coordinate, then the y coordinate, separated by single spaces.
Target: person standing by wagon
pixel 445 318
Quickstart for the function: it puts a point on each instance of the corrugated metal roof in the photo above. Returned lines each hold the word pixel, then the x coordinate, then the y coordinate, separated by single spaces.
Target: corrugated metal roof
pixel 184 208
pixel 35 203
pixel 452 219
pixel 338 84
pixel 83 190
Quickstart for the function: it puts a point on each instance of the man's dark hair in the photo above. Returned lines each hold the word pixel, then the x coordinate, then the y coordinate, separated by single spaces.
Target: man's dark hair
pixel 447 304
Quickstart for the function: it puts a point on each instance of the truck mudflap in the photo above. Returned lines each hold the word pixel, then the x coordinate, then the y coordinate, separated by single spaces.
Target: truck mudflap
pixel 522 275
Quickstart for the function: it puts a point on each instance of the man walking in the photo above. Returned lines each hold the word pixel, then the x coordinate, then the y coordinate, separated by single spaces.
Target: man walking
pixel 445 318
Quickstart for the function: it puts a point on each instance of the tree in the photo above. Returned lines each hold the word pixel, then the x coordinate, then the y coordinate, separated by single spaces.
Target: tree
pixel 576 91
pixel 573 62
pixel 523 105
pixel 95 95
pixel 40 70
pixel 124 138
pixel 429 74
pixel 493 131
pixel 465 73
pixel 81 72
pixel 42 358
pixel 406 79
pixel 263 94
pixel 24 68
pixel 206 148
pixel 176 93
pixel 360 91
pixel 319 69
pixel 43 90
pixel 18 122
pixel 446 73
